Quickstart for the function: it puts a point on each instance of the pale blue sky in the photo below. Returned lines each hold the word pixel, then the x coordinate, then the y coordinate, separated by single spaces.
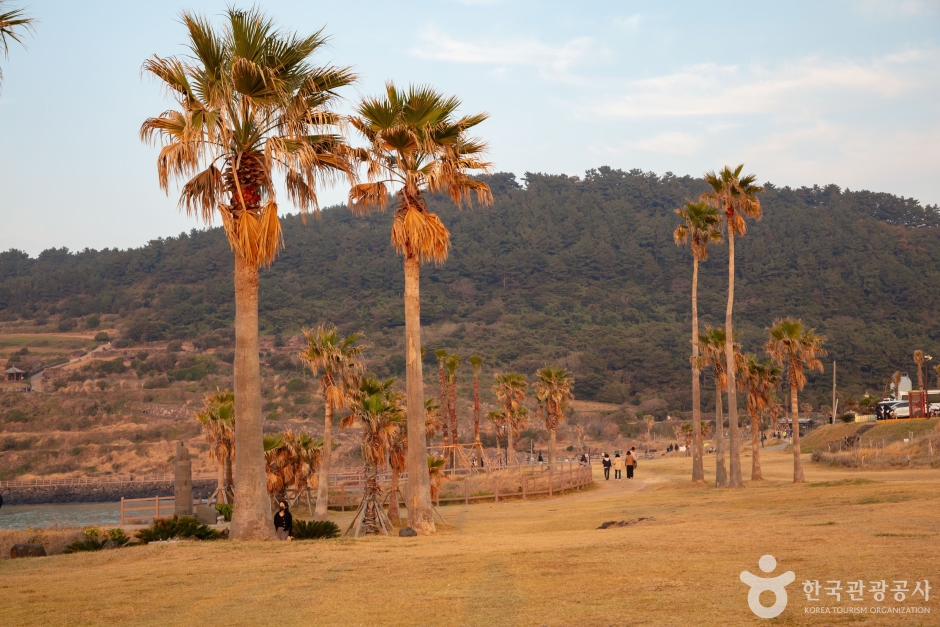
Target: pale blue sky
pixel 838 91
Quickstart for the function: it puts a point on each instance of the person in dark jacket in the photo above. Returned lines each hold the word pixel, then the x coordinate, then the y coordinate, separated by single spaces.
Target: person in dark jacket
pixel 606 463
pixel 284 523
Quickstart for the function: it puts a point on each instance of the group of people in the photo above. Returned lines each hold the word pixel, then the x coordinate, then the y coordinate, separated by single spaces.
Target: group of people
pixel 618 463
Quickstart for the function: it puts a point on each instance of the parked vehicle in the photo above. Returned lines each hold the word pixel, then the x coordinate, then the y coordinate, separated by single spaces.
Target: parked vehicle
pixel 901 410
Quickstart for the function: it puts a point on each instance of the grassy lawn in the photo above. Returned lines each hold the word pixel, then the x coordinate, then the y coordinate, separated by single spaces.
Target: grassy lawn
pixel 528 563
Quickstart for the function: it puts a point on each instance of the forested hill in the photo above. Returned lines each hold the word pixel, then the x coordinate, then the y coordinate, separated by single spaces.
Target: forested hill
pixel 582 271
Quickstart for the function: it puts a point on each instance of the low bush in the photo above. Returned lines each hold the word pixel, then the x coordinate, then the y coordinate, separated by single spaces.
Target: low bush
pixel 102 336
pixel 315 529
pixel 176 527
pixel 94 541
pixel 225 509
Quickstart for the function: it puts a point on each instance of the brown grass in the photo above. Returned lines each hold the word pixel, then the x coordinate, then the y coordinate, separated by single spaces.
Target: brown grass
pixel 526 563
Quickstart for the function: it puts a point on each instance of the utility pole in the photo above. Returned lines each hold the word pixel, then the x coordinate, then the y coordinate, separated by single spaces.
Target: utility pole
pixel 832 420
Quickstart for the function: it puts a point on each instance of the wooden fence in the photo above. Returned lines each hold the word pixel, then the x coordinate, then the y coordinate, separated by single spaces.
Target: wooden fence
pixel 134 511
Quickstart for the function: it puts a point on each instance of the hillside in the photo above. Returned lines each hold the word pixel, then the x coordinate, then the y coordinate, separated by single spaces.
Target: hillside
pixel 580 271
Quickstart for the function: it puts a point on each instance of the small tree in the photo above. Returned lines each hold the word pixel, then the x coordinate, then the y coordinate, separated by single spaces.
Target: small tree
pixel 510 391
pixel 553 390
pixel 218 424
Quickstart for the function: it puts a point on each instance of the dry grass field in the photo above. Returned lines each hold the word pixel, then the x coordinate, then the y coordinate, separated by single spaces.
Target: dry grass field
pixel 529 563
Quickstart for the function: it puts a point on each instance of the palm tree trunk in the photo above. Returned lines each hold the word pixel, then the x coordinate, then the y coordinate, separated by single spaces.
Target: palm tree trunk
pixel 476 419
pixel 721 475
pixel 698 452
pixel 551 448
pixel 452 402
pixel 370 515
pixel 510 450
pixel 252 513
pixel 499 452
pixel 795 423
pixel 393 514
pixel 229 480
pixel 737 481
pixel 445 411
pixel 323 485
pixel 420 509
pixel 755 448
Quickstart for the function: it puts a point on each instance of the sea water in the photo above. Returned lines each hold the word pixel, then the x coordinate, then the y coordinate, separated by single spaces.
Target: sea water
pixel 59 515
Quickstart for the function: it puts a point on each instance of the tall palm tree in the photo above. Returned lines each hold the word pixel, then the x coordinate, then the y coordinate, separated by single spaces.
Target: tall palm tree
pixel 919 360
pixel 700 227
pixel 378 411
pixel 510 391
pixel 553 390
pixel 760 379
pixel 417 145
pixel 736 196
pixel 516 422
pixel 797 348
pixel 453 362
pixel 250 103
pixel 398 449
pixel 937 370
pixel 498 420
pixel 712 349
pixel 336 360
pixel 477 362
pixel 441 355
pixel 12 25
pixel 218 424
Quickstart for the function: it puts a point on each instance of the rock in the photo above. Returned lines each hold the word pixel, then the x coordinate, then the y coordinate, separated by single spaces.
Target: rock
pixel 27 550
pixel 110 544
pixel 207 514
pixel 407 532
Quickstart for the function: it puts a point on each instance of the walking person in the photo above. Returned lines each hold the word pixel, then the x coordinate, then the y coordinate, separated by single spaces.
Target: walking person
pixel 284 523
pixel 618 467
pixel 606 463
pixel 631 463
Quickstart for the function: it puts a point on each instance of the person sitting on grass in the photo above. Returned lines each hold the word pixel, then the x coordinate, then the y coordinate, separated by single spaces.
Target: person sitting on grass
pixel 284 523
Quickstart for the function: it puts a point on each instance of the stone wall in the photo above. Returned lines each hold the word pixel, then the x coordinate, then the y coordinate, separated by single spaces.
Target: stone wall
pixel 99 493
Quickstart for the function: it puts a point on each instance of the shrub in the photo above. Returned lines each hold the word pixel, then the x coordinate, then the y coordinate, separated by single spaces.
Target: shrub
pixel 315 529
pixel 176 527
pixel 296 385
pixel 192 373
pixel 225 509
pixel 123 343
pixel 67 324
pixel 174 346
pixel 227 357
pixel 102 336
pixel 92 321
pixel 157 382
pixel 93 541
pixel 16 415
pixel 847 417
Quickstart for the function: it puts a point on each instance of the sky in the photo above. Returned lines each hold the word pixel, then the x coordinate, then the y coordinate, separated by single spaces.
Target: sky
pixel 802 93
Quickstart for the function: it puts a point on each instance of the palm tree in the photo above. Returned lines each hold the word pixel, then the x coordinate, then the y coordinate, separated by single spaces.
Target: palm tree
pixel 553 390
pixel 510 392
pixel 218 419
pixel 919 360
pixel 650 421
pixel 712 348
pixel 760 378
pixel 436 474
pixel 11 22
pixel 736 196
pixel 794 346
pixel 417 145
pixel 441 355
pixel 453 362
pixel 477 362
pixel 292 464
pixel 699 227
pixel 378 411
pixel 498 420
pixel 249 103
pixel 398 450
pixel 937 370
pixel 336 361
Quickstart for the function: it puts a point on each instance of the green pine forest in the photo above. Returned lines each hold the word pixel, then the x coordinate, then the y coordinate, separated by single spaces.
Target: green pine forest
pixel 578 271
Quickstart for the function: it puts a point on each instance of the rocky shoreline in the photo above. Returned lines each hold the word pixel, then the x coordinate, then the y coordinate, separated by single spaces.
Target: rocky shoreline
pixel 100 493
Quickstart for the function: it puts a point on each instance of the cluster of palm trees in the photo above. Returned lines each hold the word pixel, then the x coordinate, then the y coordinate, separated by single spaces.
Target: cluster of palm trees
pixel 721 212
pixel 251 104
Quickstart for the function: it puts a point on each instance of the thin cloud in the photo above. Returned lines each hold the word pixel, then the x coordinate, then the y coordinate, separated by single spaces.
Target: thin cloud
pixel 809 85
pixel 895 8
pixel 672 143
pixel 437 45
